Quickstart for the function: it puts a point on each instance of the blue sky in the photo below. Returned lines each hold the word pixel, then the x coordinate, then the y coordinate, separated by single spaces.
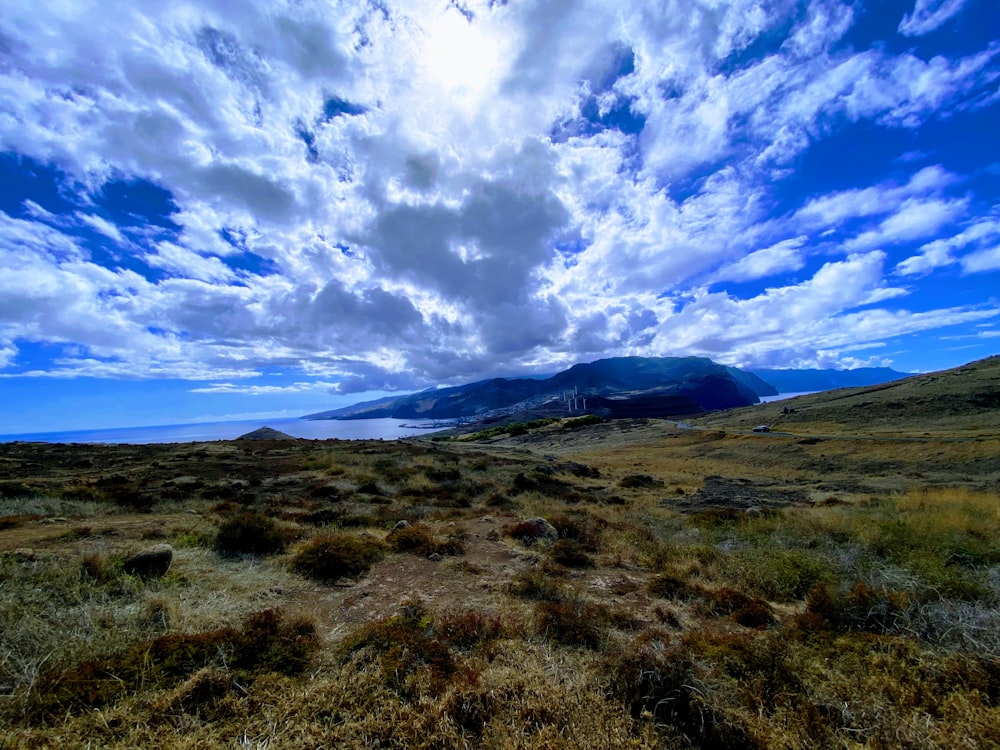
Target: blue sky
pixel 221 210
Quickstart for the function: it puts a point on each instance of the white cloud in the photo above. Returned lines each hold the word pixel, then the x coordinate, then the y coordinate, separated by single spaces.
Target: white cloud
pixel 784 256
pixel 396 194
pixel 941 252
pixel 259 390
pixel 914 220
pixel 928 15
pixel 982 260
pixel 102 226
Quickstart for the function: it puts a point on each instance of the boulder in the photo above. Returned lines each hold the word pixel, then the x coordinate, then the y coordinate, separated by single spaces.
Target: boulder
pixel 539 529
pixel 152 562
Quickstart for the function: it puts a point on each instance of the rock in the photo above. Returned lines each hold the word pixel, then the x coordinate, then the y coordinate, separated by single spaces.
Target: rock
pixel 401 525
pixel 150 563
pixel 435 557
pixel 542 529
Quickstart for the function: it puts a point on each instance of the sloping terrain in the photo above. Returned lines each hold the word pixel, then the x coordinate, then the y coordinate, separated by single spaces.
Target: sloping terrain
pixel 961 402
pixel 622 584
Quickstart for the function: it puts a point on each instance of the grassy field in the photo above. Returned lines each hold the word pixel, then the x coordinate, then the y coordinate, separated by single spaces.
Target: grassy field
pixel 701 588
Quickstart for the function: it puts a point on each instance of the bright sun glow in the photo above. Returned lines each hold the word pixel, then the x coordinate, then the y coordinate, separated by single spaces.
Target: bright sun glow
pixel 458 54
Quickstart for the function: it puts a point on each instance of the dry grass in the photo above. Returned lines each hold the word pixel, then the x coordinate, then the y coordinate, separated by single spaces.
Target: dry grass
pixel 866 615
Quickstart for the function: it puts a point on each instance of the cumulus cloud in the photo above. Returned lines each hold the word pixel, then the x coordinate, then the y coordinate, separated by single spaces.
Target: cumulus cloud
pixel 396 194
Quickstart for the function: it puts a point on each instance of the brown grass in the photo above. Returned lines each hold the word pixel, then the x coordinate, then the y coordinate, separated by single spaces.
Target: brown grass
pixel 655 620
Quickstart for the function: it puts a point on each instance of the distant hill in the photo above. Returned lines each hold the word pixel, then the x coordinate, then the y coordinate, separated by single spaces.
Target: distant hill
pixel 964 401
pixel 799 381
pixel 654 386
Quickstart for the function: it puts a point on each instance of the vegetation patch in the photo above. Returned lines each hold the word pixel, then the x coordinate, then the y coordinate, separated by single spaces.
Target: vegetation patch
pixel 330 557
pixel 251 533
pixel 268 641
pixel 417 539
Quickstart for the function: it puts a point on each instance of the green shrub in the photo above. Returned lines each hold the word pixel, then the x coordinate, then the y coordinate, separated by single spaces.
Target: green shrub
pixel 778 574
pixel 330 557
pixel 251 533
pixel 585 421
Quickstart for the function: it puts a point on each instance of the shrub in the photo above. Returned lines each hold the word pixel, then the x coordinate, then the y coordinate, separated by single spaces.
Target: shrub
pixel 571 553
pixel 589 419
pixel 530 531
pixel 745 610
pixel 536 586
pixel 469 629
pixel 418 540
pixel 330 557
pixel 405 646
pixel 664 684
pixel 581 528
pixel 573 622
pixel 251 533
pixel 667 586
pixel 862 608
pixel 778 574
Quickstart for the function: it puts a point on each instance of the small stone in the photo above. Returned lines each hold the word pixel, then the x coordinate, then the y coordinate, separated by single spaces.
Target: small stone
pixel 401 525
pixel 435 557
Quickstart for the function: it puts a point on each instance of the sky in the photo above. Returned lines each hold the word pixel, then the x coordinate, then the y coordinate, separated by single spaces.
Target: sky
pixel 224 210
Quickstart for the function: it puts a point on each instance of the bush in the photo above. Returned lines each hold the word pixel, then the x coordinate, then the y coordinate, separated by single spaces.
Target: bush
pixel 745 610
pixel 573 622
pixel 418 540
pixel 536 586
pixel 330 557
pixel 405 646
pixel 861 609
pixel 571 553
pixel 668 586
pixel 251 533
pixel 581 528
pixel 469 629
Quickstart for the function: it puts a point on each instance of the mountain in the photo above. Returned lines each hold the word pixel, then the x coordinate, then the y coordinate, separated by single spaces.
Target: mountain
pixel 654 386
pixel 799 381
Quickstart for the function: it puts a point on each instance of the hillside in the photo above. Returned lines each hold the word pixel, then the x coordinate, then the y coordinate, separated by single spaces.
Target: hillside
pixel 666 385
pixel 964 401
pixel 631 583
pixel 800 381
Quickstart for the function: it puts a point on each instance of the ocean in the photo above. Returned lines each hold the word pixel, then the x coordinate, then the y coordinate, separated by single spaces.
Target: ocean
pixel 356 429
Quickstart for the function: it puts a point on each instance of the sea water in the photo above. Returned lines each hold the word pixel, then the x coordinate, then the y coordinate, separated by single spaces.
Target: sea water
pixel 320 429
